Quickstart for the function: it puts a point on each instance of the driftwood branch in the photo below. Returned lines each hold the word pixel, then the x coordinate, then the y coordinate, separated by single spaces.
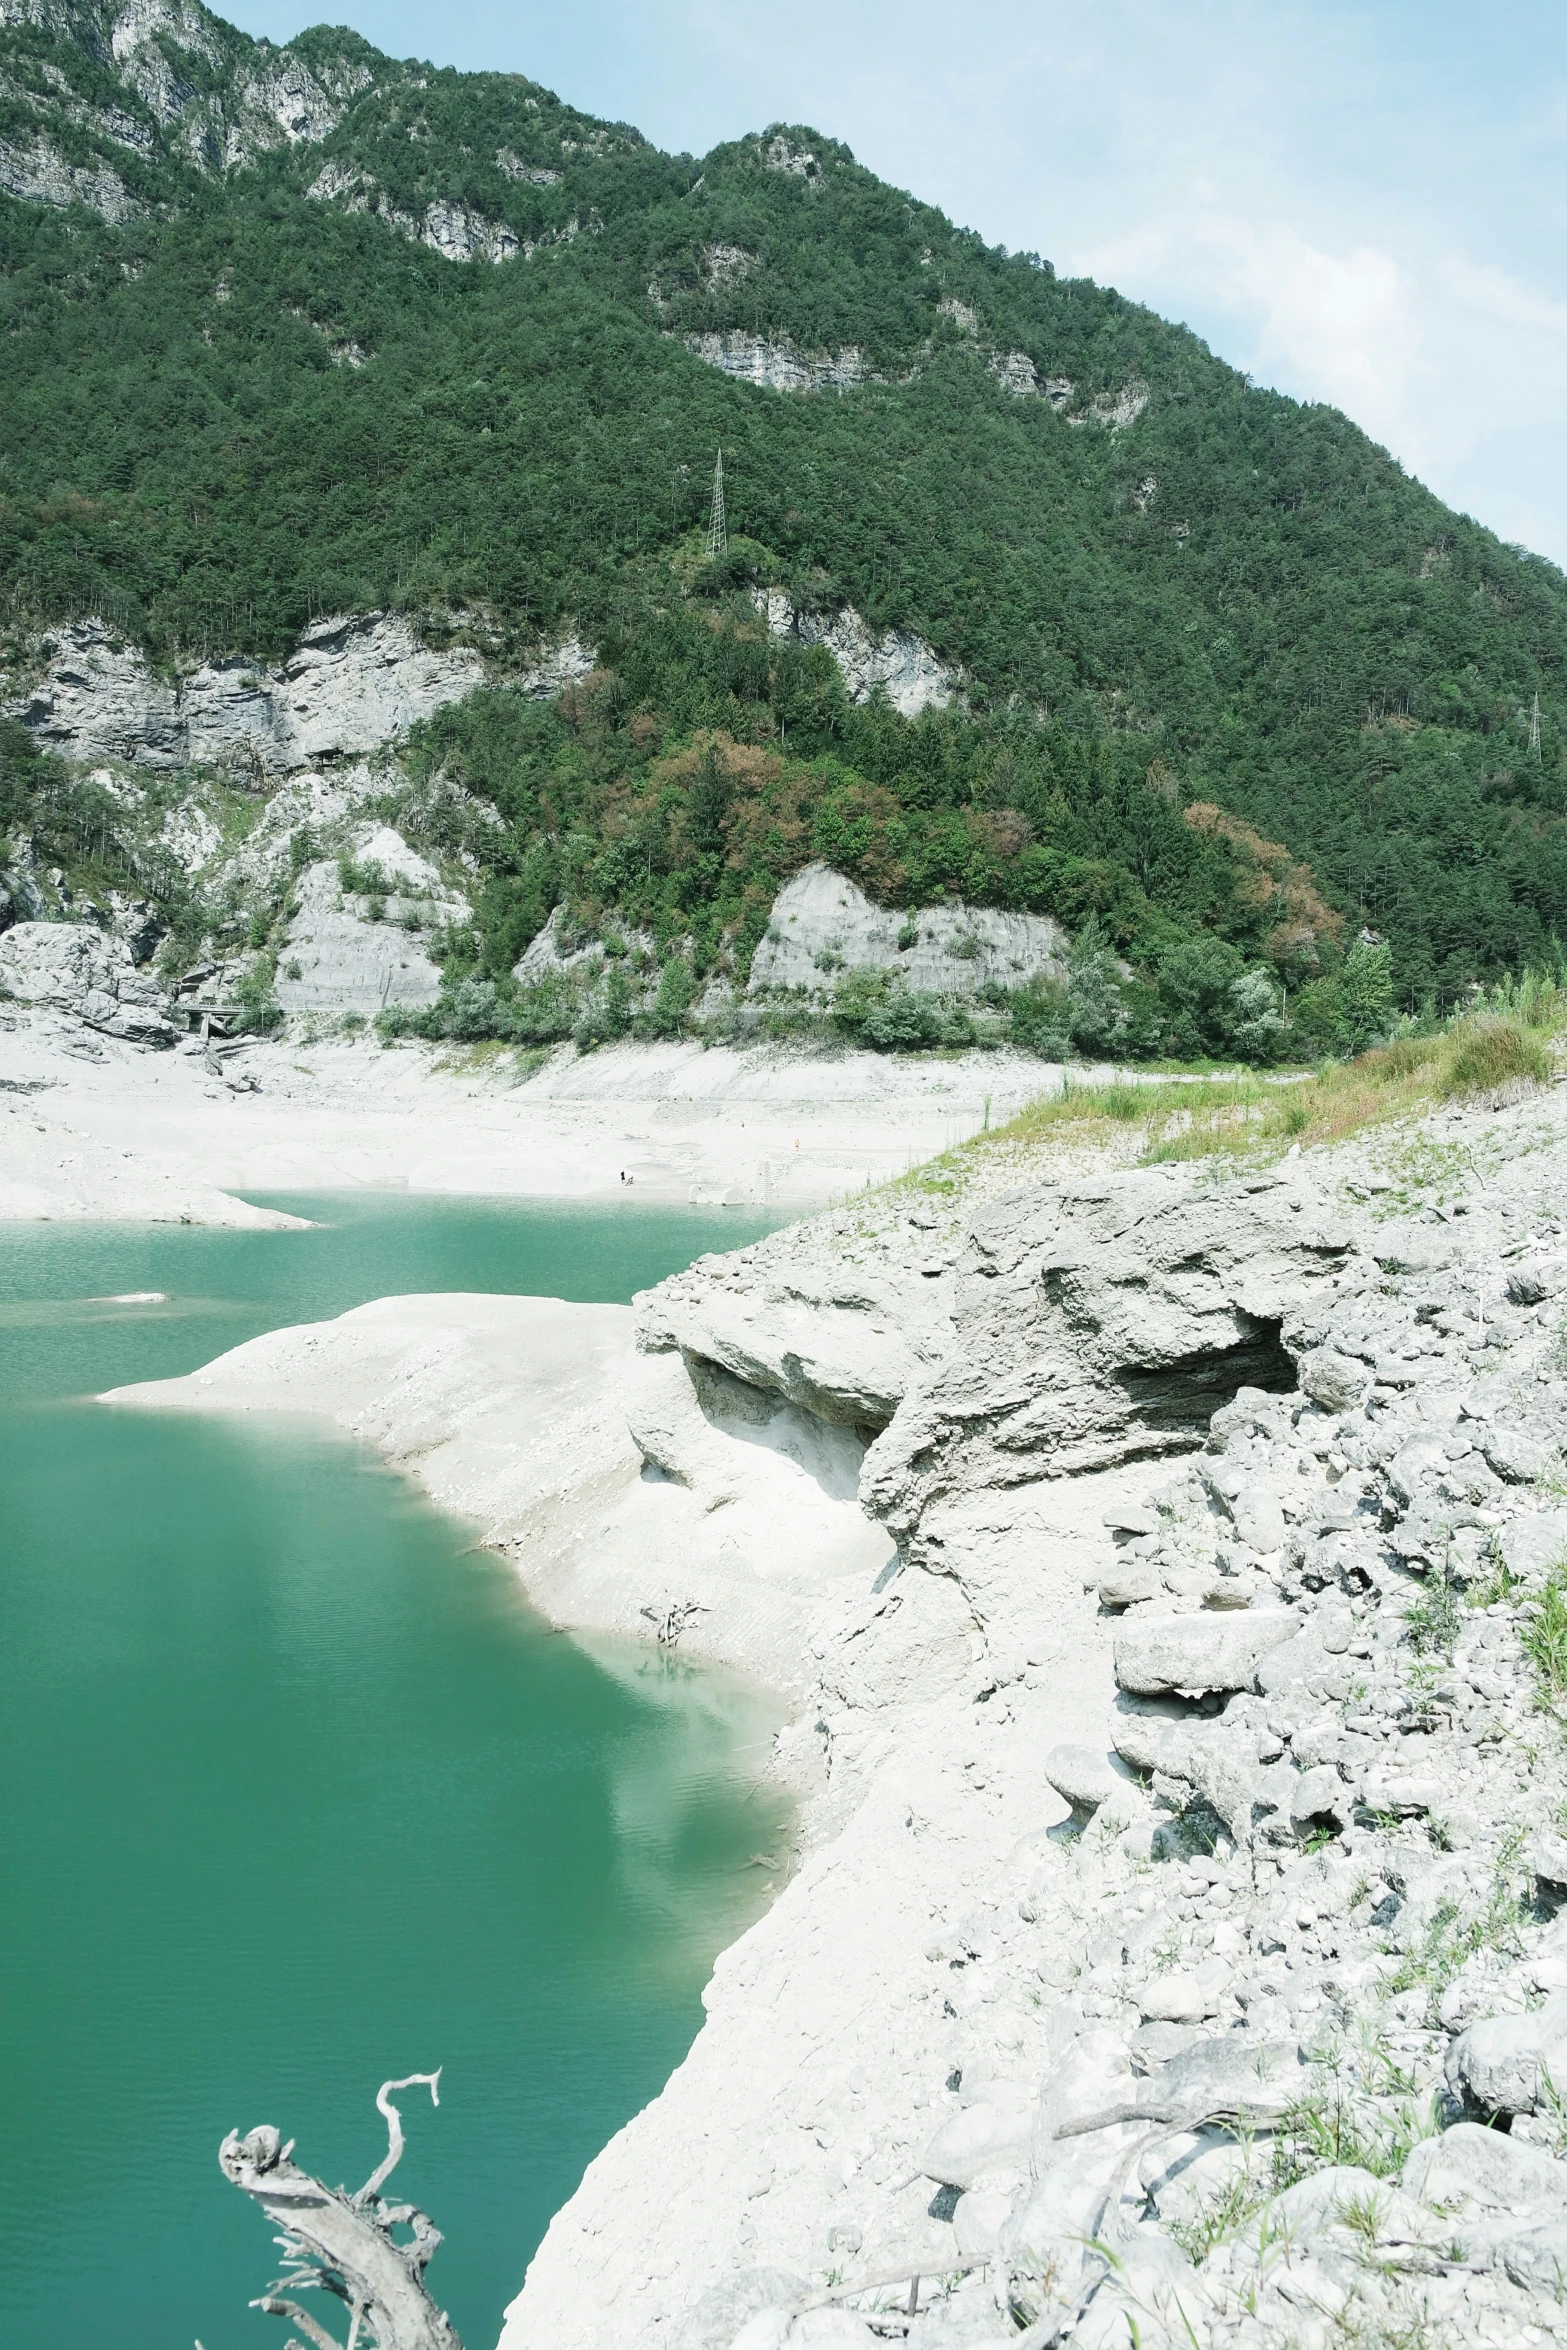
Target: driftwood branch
pixel 343 2244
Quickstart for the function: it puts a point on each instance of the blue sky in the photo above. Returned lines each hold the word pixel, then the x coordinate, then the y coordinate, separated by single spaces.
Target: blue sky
pixel 1357 203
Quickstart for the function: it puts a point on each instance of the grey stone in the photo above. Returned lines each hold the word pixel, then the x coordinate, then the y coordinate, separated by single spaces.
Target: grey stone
pixel 1517 1458
pixel 1317 1795
pixel 980 2138
pixel 1531 1547
pixel 1535 2257
pixel 1421 1458
pixel 1472 2164
pixel 1084 1775
pixel 1499 2066
pixel 1139 1724
pixel 1204 1652
pixel 725 2307
pixel 1334 1381
pixel 1412 1248
pixel 1534 1280
pixel 1232 2075
pixel 1548 1854
pixel 1132 1517
pixel 1129 1581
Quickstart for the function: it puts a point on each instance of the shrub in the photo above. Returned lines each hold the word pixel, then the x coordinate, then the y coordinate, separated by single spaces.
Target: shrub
pixel 676 994
pixel 1040 1019
pixel 1488 1054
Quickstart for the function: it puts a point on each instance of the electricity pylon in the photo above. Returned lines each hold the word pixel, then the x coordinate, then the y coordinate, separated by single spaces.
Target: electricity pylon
pixel 717 527
pixel 1534 730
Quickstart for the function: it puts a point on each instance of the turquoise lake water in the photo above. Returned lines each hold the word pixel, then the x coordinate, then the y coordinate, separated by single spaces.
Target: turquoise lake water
pixel 297 1793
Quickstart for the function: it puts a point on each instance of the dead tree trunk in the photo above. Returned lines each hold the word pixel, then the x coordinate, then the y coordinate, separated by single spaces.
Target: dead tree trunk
pixel 343 2244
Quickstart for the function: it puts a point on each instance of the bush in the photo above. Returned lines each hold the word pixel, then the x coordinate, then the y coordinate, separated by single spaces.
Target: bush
pixel 672 1004
pixel 903 1021
pixel 1096 1012
pixel 607 1014
pixel 1040 1019
pixel 1488 1054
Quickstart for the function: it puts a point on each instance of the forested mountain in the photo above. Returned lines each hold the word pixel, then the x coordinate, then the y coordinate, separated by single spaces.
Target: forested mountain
pixel 305 330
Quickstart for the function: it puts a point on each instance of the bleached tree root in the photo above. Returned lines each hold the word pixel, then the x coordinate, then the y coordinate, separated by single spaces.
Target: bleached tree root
pixel 343 2244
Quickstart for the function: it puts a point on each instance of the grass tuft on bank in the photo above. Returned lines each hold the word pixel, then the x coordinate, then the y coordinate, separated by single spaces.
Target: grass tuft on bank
pixel 1492 1055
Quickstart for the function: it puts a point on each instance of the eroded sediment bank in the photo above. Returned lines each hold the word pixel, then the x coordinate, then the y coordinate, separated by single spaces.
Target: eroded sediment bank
pixel 1203 1517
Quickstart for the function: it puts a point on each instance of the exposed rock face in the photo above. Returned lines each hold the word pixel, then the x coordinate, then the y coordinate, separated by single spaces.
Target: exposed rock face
pixel 454 230
pixel 822 923
pixel 779 367
pixel 351 685
pixel 360 951
pixel 900 664
pixel 75 967
pixel 1099 1322
pixel 40 174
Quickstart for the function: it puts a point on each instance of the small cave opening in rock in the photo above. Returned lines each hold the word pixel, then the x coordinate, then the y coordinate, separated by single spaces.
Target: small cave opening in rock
pixel 1180 1398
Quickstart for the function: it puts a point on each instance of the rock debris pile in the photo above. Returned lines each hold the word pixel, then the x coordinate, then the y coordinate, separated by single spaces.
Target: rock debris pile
pixel 1266 2043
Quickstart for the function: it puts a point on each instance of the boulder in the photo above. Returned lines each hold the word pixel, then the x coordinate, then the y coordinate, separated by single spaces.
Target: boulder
pixel 1534 1280
pixel 1215 1651
pixel 981 2138
pixel 1139 1726
pixel 1235 2076
pixel 1517 1457
pixel 1319 1795
pixel 1093 2074
pixel 1549 1857
pixel 1535 2257
pixel 1531 1547
pixel 1504 2064
pixel 1183 1997
pixel 724 2308
pixel 1335 1382
pixel 1421 1458
pixel 1128 1581
pixel 977 2222
pixel 1472 2164
pixel 1085 1775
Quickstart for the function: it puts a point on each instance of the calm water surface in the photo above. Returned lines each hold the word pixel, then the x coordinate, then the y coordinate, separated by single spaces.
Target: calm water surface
pixel 296 1793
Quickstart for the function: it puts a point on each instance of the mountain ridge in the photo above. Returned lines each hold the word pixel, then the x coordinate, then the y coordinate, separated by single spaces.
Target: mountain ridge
pixel 370 335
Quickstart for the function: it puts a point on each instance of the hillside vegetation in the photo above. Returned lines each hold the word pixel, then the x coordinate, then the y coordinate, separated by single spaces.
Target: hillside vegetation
pixel 308 330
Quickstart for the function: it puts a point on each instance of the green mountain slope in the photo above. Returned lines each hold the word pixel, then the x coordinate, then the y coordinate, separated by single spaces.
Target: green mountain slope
pixel 248 382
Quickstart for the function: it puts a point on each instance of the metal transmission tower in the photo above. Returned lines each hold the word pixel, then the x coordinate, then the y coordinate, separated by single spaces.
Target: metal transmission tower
pixel 717 527
pixel 1534 730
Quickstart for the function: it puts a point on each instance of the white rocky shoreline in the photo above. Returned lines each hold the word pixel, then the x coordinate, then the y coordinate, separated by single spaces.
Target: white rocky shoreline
pixel 1181 1837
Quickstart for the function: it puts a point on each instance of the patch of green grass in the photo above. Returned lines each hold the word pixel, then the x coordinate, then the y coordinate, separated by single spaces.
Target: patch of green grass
pixel 1453 1936
pixel 1489 1053
pixel 1545 1641
pixel 1220 2218
pixel 1433 1622
pixel 1500 1584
